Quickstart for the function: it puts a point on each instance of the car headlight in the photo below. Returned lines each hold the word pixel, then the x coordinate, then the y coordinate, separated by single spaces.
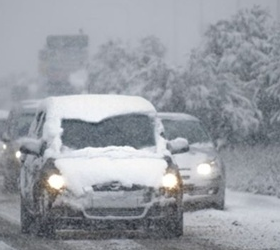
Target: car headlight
pixel 4 146
pixel 56 181
pixel 18 154
pixel 169 180
pixel 204 169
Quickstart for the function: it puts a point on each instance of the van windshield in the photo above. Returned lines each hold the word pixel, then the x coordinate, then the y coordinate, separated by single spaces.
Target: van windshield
pixel 135 130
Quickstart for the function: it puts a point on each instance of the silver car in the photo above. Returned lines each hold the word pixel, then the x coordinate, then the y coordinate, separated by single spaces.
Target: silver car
pixel 201 168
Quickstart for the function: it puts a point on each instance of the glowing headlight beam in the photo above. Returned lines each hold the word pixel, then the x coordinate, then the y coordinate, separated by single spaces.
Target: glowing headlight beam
pixel 169 180
pixel 4 146
pixel 18 154
pixel 204 169
pixel 56 181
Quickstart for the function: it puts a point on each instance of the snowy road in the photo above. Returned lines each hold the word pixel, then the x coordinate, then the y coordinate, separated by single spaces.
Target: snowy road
pixel 249 222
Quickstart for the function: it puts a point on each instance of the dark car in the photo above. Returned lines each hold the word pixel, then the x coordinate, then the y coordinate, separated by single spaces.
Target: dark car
pixel 3 120
pixel 99 162
pixel 201 168
pixel 3 124
pixel 17 126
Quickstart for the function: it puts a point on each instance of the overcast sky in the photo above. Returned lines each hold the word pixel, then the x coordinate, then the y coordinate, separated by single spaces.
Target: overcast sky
pixel 24 24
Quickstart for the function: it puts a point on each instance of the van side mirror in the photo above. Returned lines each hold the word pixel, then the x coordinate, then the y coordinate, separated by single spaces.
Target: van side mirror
pixel 178 146
pixel 31 146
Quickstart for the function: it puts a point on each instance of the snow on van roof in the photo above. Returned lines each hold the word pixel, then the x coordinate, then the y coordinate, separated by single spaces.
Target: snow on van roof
pixel 89 108
pixel 176 116
pixel 94 108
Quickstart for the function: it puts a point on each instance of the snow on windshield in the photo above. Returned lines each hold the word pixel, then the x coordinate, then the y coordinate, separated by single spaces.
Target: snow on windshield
pixel 135 130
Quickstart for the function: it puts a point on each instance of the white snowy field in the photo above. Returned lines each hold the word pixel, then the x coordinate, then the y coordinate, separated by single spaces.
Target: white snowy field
pixel 254 169
pixel 250 221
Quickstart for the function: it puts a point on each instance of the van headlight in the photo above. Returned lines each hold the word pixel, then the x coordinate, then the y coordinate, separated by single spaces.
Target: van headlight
pixel 169 180
pixel 204 169
pixel 4 146
pixel 56 181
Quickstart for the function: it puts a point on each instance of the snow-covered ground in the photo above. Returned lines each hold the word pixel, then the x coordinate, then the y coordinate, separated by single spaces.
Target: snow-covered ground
pixel 249 221
pixel 253 169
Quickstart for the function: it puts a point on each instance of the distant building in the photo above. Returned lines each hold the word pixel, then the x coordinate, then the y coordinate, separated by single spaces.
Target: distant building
pixel 62 56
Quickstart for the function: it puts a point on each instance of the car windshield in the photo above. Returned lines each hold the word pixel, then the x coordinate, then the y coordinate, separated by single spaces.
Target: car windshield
pixel 135 130
pixel 191 130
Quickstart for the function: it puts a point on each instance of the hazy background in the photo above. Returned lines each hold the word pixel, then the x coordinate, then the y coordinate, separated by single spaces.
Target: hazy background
pixel 179 24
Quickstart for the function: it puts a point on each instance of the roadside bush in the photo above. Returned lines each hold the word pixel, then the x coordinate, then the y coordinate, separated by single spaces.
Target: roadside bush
pixel 254 169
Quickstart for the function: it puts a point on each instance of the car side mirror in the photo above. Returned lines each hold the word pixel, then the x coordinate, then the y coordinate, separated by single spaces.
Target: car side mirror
pixel 31 146
pixel 5 137
pixel 178 146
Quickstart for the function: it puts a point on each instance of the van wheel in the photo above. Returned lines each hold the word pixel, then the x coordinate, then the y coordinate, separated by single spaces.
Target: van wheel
pixel 170 227
pixel 220 205
pixel 44 225
pixel 26 218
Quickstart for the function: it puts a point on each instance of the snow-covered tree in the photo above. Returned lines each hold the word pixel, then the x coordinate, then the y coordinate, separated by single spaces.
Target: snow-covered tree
pixel 220 78
pixel 267 92
pixel 217 98
pixel 142 71
pixel 110 68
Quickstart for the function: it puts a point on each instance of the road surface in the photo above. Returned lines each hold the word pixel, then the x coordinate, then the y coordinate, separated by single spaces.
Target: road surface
pixel 248 222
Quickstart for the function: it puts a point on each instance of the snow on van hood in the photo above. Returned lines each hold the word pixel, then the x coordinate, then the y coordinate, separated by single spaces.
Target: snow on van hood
pixel 198 153
pixel 89 167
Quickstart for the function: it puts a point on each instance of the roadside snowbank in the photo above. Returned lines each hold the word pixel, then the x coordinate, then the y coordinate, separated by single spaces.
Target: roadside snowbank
pixel 254 169
pixel 248 222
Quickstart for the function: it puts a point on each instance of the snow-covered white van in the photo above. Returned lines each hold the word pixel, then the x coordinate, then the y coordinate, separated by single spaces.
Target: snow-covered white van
pixel 99 161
